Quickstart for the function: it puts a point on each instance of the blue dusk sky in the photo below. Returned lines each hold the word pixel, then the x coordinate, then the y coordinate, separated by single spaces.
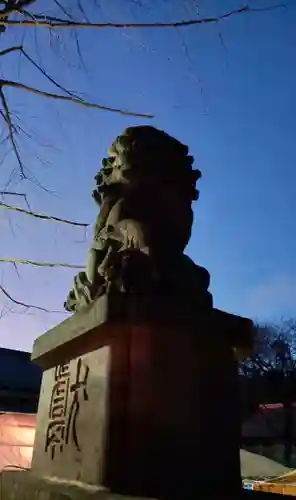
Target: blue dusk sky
pixel 228 90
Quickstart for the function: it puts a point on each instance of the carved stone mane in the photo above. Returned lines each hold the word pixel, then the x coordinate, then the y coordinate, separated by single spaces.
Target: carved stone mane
pixel 145 190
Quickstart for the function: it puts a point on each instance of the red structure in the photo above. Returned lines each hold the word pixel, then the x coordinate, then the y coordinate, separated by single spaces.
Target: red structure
pixel 17 432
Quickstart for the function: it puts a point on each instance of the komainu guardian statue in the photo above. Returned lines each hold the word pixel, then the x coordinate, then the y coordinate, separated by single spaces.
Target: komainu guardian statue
pixel 144 192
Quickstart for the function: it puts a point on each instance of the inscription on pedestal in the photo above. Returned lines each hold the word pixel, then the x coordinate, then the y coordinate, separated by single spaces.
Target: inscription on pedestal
pixel 71 419
pixel 64 407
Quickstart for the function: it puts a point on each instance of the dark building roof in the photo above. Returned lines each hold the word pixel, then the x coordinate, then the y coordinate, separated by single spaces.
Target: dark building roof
pixel 268 424
pixel 18 373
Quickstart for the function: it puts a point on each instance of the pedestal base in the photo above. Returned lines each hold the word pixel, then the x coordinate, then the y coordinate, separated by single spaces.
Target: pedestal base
pixel 25 486
pixel 145 406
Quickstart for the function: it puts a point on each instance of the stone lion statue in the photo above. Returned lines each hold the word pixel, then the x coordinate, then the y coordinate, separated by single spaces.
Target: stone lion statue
pixel 144 191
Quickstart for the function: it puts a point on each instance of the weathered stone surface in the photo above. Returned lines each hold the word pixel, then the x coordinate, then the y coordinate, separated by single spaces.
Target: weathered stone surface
pixel 180 384
pixel 72 416
pixel 23 485
pixel 161 360
pixel 145 191
pixel 91 326
pixel 156 392
pixel 54 344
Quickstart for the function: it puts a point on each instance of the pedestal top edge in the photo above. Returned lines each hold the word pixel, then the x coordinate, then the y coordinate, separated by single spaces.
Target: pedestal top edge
pixel 123 309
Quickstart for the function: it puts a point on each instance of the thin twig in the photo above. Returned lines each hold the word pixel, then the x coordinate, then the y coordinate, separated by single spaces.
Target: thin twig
pixel 15 8
pixel 11 131
pixel 20 48
pixel 14 128
pixel 12 193
pixel 9 50
pixel 76 100
pixel 42 216
pixel 37 66
pixel 23 304
pixel 40 264
pixel 55 22
pixel 80 7
pixel 63 9
pixel 16 270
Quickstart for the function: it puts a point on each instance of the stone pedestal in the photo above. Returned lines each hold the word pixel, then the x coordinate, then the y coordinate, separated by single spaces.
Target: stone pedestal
pixel 139 395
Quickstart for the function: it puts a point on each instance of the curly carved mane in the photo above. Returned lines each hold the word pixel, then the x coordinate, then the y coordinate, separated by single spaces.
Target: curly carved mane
pixel 146 156
pixel 145 190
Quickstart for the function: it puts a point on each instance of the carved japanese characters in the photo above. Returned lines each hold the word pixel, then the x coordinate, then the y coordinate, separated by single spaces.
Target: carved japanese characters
pixel 66 398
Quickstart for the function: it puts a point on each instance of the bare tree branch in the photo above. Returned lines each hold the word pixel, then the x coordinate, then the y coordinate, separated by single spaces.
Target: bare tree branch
pixel 11 131
pixel 23 304
pixel 40 264
pixel 12 193
pixel 43 21
pixel 9 50
pixel 76 100
pixel 63 9
pixel 42 216
pixel 44 73
pixel 28 19
pixel 82 11
pixel 19 48
pixel 16 270
pixel 14 7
